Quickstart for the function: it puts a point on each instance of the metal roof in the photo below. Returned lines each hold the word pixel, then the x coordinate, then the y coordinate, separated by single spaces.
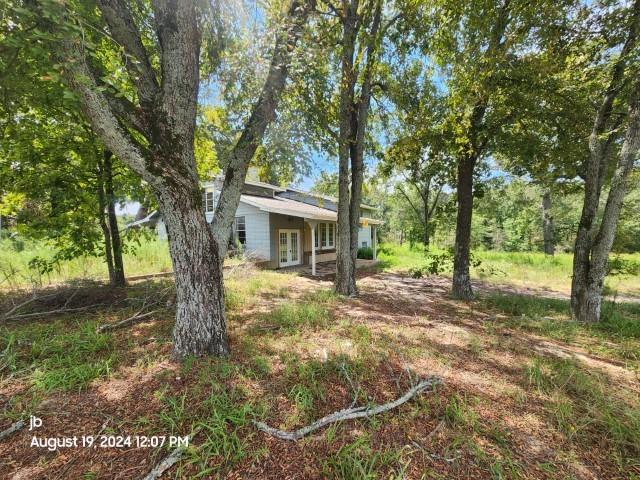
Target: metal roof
pixel 328 197
pixel 285 206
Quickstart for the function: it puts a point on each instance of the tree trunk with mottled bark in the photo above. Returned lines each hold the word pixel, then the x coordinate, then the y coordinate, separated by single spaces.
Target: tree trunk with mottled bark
pixel 588 299
pixel 461 278
pixel 345 283
pixel 165 118
pixel 593 242
pixel 547 224
pixel 200 319
pixel 354 113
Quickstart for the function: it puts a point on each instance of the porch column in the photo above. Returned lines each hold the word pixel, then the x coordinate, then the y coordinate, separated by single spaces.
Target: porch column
pixel 374 241
pixel 312 225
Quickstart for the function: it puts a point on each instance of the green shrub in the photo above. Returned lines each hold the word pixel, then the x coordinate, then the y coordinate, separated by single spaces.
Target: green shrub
pixel 365 253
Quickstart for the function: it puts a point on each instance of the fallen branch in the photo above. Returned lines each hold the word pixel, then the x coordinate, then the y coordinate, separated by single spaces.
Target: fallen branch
pixel 168 461
pixel 13 428
pixel 123 323
pixel 53 312
pixel 349 413
pixel 30 300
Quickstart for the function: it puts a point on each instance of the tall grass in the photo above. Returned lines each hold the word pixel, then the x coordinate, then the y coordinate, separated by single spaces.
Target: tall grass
pixel 151 256
pixel 532 269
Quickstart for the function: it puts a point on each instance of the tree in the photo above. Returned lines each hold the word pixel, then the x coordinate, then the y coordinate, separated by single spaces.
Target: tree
pixel 417 151
pixel 544 144
pixel 147 117
pixel 63 176
pixel 353 116
pixel 488 54
pixel 595 237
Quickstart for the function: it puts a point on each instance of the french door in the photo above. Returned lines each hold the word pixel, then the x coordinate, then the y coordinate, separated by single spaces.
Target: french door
pixel 289 247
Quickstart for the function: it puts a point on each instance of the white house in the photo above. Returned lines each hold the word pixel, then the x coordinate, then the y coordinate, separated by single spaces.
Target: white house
pixel 281 227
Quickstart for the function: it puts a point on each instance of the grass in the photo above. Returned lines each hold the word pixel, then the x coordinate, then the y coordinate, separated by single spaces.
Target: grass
pixel 616 335
pixel 358 460
pixel 62 355
pixel 292 317
pixel 148 256
pixel 245 287
pixel 151 256
pixel 524 269
pixel 583 406
pixel 300 353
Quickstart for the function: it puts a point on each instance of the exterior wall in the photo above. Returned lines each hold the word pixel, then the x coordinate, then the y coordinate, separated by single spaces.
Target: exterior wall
pixel 257 225
pixel 277 222
pixel 161 230
pixel 364 235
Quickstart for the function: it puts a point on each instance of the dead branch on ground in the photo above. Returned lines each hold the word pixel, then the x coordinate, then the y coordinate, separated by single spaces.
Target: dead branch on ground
pixel 54 312
pixel 13 428
pixel 427 384
pixel 126 322
pixel 169 461
pixel 28 301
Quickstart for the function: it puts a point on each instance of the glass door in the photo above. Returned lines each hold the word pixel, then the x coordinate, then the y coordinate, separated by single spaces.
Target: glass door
pixel 289 247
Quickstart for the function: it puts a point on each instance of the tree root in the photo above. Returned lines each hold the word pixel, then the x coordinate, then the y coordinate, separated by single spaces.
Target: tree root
pixel 427 384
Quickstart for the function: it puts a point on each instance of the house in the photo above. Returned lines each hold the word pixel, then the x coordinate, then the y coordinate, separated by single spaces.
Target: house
pixel 281 226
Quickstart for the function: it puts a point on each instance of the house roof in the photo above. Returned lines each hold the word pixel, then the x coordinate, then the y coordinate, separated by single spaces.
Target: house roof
pixel 254 183
pixel 148 221
pixel 327 197
pixel 265 185
pixel 285 206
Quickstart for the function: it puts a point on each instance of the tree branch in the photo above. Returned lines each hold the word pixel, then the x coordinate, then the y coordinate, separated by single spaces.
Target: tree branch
pixel 179 36
pixel 263 113
pixel 435 201
pixel 125 31
pixel 349 413
pixel 96 108
pixel 401 190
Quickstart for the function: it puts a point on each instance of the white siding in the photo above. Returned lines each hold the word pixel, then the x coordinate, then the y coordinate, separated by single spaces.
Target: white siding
pixel 257 225
pixel 161 230
pixel 364 235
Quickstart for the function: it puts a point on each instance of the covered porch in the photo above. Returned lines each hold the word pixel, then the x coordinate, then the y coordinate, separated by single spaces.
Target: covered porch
pixel 318 235
pixel 327 269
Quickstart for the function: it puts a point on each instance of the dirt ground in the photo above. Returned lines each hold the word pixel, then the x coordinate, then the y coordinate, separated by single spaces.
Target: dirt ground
pixel 486 420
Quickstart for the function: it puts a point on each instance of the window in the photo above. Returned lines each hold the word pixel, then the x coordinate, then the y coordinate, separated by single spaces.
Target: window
pixel 240 231
pixel 364 244
pixel 316 236
pixel 207 200
pixel 325 236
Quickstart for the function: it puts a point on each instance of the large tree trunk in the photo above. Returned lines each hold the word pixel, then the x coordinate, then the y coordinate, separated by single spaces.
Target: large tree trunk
pixel 345 275
pixel 200 319
pixel 591 252
pixel 589 296
pixel 461 278
pixel 114 232
pixel 547 224
pixel 161 150
pixel 353 124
